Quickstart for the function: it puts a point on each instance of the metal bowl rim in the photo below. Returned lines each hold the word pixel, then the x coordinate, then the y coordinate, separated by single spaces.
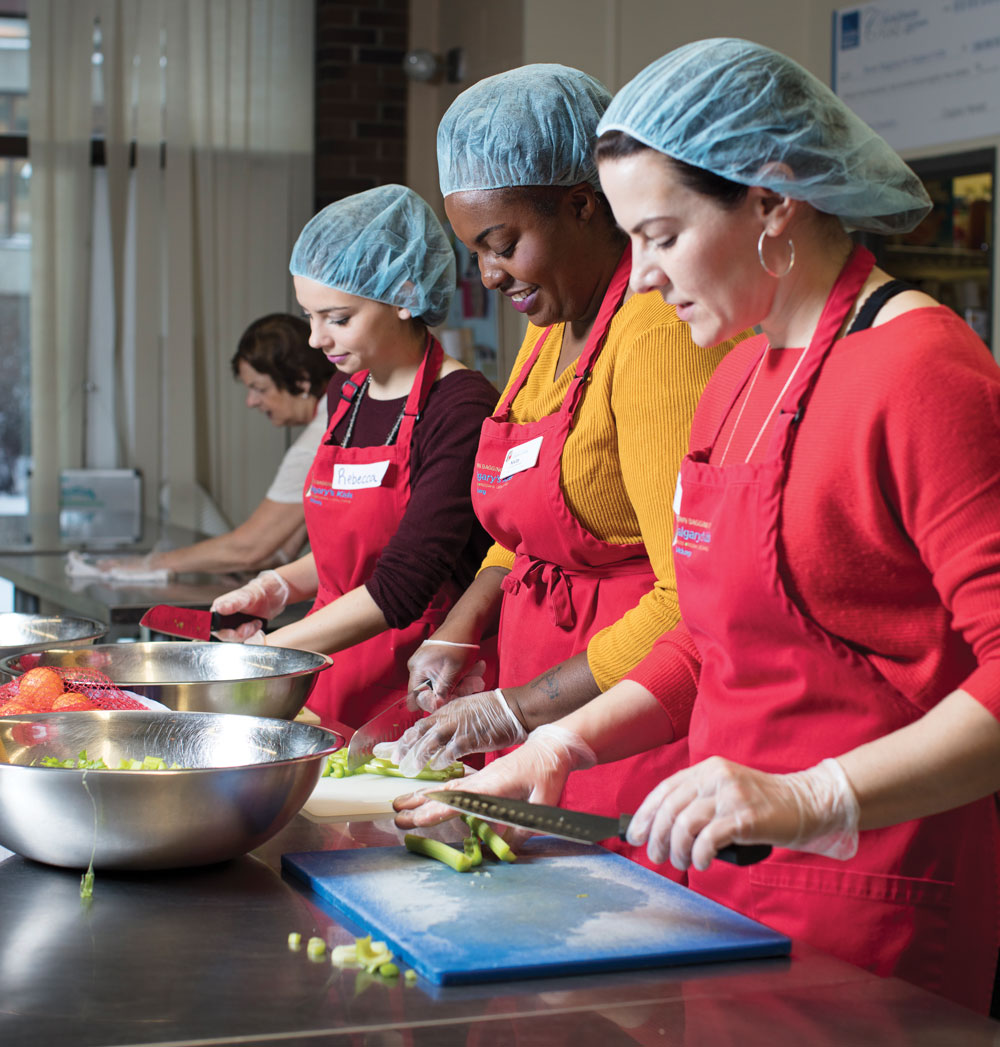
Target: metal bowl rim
pixel 129 714
pixel 6 666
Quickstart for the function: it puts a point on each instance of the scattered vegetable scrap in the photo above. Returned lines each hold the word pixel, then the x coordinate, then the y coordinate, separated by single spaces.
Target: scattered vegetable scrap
pixel 471 854
pixel 336 767
pixel 368 957
pixel 373 957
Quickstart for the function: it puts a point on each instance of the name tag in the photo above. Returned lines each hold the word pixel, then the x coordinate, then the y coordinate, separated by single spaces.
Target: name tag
pixel 357 477
pixel 522 457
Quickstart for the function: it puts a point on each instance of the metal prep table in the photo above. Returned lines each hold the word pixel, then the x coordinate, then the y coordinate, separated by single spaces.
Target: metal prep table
pixel 200 957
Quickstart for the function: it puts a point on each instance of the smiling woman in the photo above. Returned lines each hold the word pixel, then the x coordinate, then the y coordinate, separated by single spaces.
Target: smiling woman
pixel 576 469
pixel 387 498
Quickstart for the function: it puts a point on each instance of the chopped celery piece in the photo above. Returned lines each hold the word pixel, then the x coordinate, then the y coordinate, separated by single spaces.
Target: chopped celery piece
pixel 458 860
pixel 496 843
pixel 336 767
pixel 409 976
pixel 471 846
pixel 315 948
pixel 388 970
pixel 295 941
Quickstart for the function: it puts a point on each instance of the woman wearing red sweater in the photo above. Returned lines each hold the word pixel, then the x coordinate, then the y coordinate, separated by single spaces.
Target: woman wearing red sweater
pixel 837 545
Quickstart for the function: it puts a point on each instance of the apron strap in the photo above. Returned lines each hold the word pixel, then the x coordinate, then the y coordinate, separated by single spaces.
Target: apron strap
pixel 610 305
pixel 416 401
pixel 348 391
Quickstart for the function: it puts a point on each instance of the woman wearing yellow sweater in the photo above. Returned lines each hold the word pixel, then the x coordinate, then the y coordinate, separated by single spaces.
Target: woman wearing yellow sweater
pixel 575 471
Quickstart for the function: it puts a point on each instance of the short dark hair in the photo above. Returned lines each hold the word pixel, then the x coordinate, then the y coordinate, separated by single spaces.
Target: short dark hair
pixel 616 145
pixel 278 345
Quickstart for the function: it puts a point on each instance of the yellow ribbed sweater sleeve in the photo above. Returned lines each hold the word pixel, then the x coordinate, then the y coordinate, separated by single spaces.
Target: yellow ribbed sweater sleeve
pixel 620 462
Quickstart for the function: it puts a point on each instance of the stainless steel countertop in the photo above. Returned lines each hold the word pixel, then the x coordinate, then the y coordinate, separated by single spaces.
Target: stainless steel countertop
pixel 43 533
pixel 200 957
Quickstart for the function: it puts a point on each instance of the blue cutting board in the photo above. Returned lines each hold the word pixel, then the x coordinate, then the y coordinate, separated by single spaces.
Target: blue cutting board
pixel 561 908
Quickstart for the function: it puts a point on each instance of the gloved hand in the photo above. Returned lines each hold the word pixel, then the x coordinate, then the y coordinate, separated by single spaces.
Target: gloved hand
pixel 478 723
pixel 692 814
pixel 126 569
pixel 265 596
pixel 536 771
pixel 441 670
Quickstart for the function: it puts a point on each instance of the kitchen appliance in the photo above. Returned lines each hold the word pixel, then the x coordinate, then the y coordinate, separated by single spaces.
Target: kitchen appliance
pixel 561 908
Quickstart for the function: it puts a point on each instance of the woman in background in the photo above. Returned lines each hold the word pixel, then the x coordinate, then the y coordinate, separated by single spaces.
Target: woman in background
pixel 286 379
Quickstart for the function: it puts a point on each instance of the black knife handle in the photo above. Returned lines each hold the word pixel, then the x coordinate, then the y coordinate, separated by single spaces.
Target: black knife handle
pixel 744 853
pixel 734 853
pixel 233 621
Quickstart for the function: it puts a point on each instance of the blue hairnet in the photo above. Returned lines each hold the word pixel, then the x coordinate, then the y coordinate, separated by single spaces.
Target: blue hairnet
pixel 739 110
pixel 385 244
pixel 529 126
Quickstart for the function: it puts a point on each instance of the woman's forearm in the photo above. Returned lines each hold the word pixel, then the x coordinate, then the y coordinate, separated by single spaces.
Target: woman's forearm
pixel 476 613
pixel 555 693
pixel 622 721
pixel 254 545
pixel 348 620
pixel 947 758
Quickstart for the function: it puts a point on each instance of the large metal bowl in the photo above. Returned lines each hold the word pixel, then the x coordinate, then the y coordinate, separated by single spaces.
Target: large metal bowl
pixel 254 680
pixel 21 633
pixel 243 779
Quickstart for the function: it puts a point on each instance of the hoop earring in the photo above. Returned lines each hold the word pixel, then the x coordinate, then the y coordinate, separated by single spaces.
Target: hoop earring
pixel 763 264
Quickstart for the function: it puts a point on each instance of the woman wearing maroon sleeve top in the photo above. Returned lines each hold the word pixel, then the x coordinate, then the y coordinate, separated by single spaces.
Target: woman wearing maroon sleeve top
pixel 392 533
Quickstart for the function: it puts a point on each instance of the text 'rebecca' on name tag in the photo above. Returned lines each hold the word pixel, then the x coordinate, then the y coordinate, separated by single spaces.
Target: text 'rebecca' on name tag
pixel 521 457
pixel 358 477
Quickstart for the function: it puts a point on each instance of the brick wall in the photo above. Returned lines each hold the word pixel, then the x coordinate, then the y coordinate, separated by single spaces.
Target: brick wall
pixel 360 96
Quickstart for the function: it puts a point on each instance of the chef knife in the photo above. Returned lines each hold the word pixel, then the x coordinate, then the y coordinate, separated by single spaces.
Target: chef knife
pixel 387 726
pixel 569 825
pixel 189 623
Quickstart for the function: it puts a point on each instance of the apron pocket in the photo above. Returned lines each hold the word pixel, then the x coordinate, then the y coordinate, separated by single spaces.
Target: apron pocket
pixel 891 925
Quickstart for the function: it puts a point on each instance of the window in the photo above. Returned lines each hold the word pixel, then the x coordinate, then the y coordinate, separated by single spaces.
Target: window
pixel 15 265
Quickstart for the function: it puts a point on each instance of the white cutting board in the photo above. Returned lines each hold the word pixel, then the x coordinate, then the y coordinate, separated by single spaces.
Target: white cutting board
pixel 361 794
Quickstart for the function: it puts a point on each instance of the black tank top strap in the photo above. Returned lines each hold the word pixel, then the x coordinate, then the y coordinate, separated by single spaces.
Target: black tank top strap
pixel 874 302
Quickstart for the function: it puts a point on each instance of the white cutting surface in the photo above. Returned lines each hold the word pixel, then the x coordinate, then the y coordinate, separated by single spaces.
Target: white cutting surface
pixel 360 794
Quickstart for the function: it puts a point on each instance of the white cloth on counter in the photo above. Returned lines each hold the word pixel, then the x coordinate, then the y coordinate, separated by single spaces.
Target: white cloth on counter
pixel 80 566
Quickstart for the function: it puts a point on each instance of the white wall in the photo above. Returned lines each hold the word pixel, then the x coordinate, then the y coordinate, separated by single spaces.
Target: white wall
pixel 612 40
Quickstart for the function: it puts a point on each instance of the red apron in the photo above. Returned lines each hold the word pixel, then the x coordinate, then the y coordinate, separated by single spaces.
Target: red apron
pixel 565 585
pixel 348 528
pixel 777 692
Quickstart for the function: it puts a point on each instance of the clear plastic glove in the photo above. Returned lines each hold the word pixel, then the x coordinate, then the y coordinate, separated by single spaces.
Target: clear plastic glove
pixel 537 771
pixel 441 670
pixel 265 596
pixel 477 723
pixel 691 815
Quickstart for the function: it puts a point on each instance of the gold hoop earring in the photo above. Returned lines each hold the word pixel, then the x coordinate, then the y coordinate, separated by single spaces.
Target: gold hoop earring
pixel 763 264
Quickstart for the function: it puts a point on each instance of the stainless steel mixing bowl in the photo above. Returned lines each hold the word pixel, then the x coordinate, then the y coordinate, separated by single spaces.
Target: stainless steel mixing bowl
pixel 21 633
pixel 200 677
pixel 243 779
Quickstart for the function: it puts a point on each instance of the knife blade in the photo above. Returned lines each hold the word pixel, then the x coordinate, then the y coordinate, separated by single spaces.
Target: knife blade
pixel 387 726
pixel 189 623
pixel 569 825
